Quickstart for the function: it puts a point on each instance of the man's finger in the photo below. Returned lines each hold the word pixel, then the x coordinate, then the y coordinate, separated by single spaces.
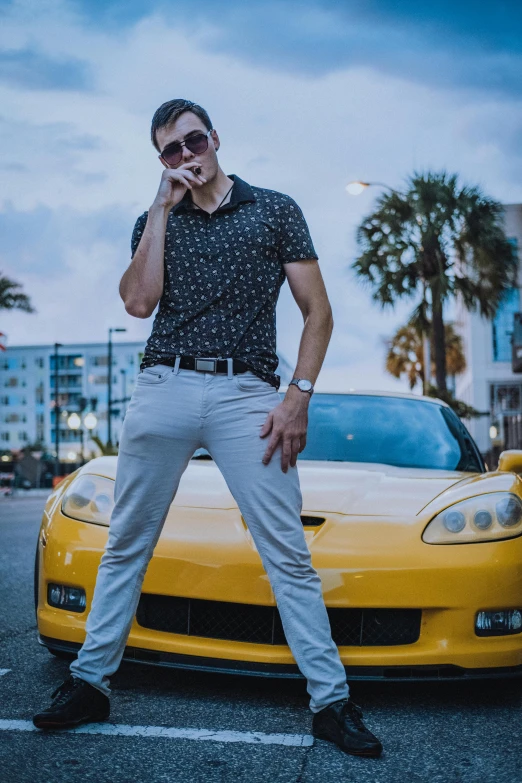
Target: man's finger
pixel 274 440
pixel 295 452
pixel 267 426
pixel 286 455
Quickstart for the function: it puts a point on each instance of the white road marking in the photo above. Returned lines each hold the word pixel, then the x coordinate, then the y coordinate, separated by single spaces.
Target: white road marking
pixel 205 735
pixel 4 671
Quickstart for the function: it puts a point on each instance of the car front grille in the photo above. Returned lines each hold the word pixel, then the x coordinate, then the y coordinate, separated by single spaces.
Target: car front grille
pixel 262 624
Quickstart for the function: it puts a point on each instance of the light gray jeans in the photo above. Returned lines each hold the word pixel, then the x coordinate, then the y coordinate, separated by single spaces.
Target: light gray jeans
pixel 172 413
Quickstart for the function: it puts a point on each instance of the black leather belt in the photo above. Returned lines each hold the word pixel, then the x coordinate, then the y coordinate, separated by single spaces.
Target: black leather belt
pixel 204 364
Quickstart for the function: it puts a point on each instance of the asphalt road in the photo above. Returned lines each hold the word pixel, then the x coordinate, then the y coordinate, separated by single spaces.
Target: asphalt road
pixel 432 732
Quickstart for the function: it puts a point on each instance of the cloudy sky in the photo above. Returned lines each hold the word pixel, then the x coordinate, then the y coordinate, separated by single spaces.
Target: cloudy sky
pixel 306 95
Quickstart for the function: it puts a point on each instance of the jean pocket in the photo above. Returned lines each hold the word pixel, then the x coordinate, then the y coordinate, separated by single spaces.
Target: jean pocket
pixel 248 381
pixel 152 376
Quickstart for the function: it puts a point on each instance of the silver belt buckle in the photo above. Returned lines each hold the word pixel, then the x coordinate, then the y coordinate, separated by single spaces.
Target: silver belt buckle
pixel 206 365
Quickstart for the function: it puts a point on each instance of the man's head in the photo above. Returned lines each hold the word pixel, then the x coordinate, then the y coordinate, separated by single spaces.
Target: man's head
pixel 178 121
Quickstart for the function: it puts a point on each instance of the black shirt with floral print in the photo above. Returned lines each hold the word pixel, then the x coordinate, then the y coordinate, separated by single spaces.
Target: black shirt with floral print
pixel 223 273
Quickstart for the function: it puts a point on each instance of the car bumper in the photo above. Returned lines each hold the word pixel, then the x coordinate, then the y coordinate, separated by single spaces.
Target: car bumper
pixel 290 671
pixel 449 584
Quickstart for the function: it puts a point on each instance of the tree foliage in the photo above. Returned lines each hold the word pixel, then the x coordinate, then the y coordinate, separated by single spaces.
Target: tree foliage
pixel 434 241
pixel 405 355
pixel 12 296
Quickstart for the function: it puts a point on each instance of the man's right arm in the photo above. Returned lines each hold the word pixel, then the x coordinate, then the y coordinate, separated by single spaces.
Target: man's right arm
pixel 141 286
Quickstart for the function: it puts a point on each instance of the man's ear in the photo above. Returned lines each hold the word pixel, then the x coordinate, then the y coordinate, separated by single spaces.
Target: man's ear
pixel 215 139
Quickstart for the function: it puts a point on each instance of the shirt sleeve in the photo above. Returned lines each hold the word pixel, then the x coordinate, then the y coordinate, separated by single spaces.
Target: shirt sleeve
pixel 139 228
pixel 295 242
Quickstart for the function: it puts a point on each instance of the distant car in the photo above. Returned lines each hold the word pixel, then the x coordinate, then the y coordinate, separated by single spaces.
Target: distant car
pixel 418 547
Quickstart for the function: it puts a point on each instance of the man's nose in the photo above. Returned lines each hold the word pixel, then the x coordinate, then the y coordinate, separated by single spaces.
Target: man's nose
pixel 187 154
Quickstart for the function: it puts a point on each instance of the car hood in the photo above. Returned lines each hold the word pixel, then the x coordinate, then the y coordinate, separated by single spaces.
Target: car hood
pixel 328 487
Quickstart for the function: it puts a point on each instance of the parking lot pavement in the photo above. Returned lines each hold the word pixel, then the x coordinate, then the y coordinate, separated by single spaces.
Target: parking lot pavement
pixel 206 727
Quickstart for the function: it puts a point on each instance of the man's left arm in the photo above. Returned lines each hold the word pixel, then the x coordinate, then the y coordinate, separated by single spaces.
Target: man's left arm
pixel 288 422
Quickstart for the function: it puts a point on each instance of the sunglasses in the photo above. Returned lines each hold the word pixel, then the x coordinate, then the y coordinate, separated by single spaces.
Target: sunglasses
pixel 173 153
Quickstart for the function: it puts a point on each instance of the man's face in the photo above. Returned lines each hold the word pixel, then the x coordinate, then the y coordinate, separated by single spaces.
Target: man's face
pixel 185 126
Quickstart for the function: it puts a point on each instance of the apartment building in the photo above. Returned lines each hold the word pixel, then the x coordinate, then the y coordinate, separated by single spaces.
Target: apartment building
pixel 28 393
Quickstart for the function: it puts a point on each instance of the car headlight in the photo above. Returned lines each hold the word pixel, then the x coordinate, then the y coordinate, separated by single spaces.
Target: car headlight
pixel 89 498
pixel 488 517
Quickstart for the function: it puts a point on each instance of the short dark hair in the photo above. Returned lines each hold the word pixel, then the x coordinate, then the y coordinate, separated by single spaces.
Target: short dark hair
pixel 168 113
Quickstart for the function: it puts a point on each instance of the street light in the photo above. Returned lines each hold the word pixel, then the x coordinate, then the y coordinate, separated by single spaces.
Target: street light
pixel 74 422
pixel 56 412
pixel 356 187
pixel 109 386
pixel 90 421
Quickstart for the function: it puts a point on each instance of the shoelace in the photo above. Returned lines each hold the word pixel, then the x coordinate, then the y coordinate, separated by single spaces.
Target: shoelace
pixel 354 712
pixel 64 690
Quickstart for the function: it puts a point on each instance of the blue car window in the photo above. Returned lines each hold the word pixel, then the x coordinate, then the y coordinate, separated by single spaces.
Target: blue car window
pixel 390 430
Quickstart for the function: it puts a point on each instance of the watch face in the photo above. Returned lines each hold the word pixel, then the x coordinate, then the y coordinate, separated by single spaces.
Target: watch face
pixel 305 385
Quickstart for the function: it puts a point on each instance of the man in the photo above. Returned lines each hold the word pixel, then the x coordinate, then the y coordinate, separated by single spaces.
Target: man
pixel 214 252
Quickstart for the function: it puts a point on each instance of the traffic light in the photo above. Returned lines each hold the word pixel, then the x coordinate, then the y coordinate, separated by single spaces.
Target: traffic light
pixel 516 343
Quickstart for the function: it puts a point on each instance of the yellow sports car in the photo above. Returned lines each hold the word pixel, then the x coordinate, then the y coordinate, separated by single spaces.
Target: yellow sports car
pixel 419 549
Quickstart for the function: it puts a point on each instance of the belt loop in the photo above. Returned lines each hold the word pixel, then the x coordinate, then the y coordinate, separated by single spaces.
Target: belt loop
pixel 176 365
pixel 230 365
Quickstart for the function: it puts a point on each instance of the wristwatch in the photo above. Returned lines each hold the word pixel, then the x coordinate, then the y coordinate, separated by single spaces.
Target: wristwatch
pixel 303 385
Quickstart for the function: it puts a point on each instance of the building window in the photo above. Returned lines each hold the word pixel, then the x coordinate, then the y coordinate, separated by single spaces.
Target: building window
pixel 22 436
pixel 503 325
pixel 506 398
pixel 4 400
pixel 40 427
pixel 4 436
pixel 67 362
pixel 4 364
pixel 39 394
pixel 100 361
pixel 39 361
pixel 11 382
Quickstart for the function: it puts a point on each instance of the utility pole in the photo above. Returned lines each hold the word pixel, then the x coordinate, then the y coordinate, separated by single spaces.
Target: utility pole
pixel 109 386
pixel 124 391
pixel 56 412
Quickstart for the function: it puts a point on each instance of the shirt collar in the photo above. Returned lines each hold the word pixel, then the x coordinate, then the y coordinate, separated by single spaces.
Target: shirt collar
pixel 242 193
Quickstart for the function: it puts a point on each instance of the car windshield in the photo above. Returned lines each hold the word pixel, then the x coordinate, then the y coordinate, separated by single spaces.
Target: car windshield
pixel 390 430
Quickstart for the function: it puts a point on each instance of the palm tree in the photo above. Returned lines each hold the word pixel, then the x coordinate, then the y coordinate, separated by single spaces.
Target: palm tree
pixel 11 296
pixel 435 241
pixel 406 353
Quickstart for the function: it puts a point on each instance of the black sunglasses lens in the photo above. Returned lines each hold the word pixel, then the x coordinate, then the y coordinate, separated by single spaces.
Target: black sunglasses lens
pixel 197 144
pixel 172 155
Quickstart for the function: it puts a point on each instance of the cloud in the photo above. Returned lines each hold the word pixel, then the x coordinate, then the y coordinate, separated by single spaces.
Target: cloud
pixel 44 242
pixel 78 168
pixel 441 43
pixel 34 70
pixel 70 264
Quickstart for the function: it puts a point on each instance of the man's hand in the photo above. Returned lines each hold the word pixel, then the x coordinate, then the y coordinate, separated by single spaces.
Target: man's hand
pixel 287 424
pixel 175 183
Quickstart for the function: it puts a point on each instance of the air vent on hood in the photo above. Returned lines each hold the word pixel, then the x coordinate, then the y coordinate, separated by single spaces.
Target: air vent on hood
pixel 312 521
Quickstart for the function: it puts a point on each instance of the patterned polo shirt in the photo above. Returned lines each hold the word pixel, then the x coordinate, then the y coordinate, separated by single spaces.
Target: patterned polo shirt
pixel 223 274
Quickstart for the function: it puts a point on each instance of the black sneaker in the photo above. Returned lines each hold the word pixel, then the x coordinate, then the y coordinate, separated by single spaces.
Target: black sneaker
pixel 341 722
pixel 74 702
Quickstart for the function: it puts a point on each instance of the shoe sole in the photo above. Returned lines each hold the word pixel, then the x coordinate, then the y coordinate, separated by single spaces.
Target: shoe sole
pixel 52 725
pixel 366 753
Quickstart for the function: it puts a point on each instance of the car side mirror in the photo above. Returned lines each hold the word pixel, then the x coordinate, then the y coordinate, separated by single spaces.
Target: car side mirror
pixel 511 460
